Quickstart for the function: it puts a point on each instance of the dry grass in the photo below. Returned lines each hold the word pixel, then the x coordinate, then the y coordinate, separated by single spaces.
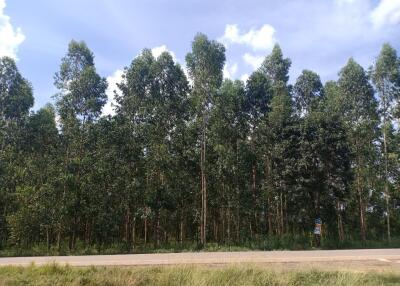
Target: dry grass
pixel 55 275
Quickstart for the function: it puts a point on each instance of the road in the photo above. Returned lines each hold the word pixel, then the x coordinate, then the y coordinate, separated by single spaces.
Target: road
pixel 316 257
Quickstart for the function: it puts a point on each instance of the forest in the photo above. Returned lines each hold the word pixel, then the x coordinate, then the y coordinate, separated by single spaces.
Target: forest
pixel 191 158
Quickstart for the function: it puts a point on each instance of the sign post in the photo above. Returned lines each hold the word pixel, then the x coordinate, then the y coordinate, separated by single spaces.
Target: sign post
pixel 317 231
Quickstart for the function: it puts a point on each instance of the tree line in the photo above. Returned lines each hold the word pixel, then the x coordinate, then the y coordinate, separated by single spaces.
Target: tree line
pixel 197 158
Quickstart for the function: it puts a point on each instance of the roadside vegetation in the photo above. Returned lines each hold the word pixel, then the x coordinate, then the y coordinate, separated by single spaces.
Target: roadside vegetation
pixel 53 275
pixel 190 160
pixel 272 243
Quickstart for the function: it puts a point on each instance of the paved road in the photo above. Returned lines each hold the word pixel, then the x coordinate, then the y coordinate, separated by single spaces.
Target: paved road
pixel 383 256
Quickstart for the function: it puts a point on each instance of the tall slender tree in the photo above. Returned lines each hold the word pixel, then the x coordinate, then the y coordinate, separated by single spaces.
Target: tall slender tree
pixel 259 94
pixel 307 90
pixel 79 103
pixel 269 156
pixel 386 78
pixel 359 110
pixel 205 64
pixel 16 98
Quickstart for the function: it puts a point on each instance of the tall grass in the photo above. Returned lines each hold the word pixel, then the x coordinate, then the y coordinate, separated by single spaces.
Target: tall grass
pixel 285 242
pixel 185 275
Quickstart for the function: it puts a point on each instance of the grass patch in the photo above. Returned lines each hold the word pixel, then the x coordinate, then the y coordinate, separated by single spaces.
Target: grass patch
pixel 286 242
pixel 55 275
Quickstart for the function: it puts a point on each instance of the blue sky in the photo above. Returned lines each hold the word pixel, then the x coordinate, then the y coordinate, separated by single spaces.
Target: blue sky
pixel 318 35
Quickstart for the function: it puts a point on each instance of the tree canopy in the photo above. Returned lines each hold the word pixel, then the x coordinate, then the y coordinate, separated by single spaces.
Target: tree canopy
pixel 199 160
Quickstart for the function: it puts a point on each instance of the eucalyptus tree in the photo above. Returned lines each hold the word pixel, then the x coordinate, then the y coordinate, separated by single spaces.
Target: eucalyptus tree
pixel 154 102
pixel 169 111
pixel 275 67
pixel 134 111
pixel 307 91
pixel 307 94
pixel 280 133
pixel 227 136
pixel 205 65
pixel 79 102
pixel 386 78
pixel 335 154
pixel 256 107
pixel 258 97
pixel 16 98
pixel 276 131
pixel 270 157
pixel 323 170
pixel 358 107
pixel 108 207
pixel 37 211
pixel 82 90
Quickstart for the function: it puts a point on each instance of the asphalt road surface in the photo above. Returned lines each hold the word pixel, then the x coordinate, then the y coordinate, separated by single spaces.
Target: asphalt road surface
pixel 360 256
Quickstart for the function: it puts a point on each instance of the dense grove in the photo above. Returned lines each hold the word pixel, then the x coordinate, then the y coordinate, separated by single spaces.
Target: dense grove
pixel 197 158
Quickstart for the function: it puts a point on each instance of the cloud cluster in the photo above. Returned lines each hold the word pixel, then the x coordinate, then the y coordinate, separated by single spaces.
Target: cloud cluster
pixel 344 2
pixel 316 32
pixel 252 60
pixel 10 38
pixel 244 77
pixel 386 13
pixel 116 77
pixel 230 71
pixel 157 51
pixel 261 39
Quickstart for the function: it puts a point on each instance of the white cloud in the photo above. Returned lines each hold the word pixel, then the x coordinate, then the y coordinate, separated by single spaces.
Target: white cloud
pixel 244 77
pixel 157 51
pixel 344 2
pixel 254 61
pixel 112 80
pixel 186 72
pixel 230 71
pixel 262 39
pixel 10 38
pixel 386 13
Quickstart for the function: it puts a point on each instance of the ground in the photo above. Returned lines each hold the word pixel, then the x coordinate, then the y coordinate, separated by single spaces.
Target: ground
pixel 320 267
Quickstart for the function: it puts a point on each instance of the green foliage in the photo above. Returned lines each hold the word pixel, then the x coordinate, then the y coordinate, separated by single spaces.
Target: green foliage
pixel 16 96
pixel 205 63
pixel 182 164
pixel 307 90
pixel 276 67
pixel 82 90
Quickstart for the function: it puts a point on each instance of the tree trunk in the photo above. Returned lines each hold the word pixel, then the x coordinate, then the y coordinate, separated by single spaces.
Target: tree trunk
pixel 134 232
pixel 127 221
pixel 386 179
pixel 361 206
pixel 59 237
pixel 339 221
pixel 215 226
pixel 229 223
pixel 282 219
pixel 269 217
pixel 145 231
pixel 286 216
pixel 181 230
pixel 238 194
pixel 202 191
pixel 253 188
pixel 203 234
pixel 238 223
pixel 157 229
pixel 47 238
